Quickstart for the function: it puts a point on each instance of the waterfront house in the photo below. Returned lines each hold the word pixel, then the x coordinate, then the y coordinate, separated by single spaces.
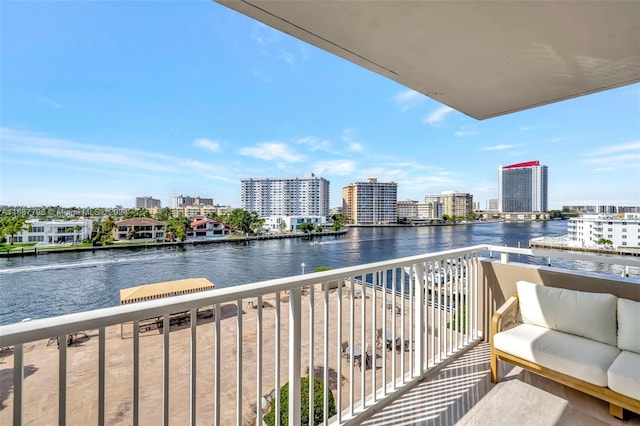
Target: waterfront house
pixel 203 226
pixel 55 231
pixel 138 228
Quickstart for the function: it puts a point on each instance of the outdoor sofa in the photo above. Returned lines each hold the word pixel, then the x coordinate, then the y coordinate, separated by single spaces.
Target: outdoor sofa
pixel 587 341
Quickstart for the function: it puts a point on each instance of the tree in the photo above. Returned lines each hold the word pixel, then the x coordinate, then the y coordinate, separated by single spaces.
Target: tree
pixel 178 227
pixel 318 404
pixel 244 221
pixel 605 242
pixel 306 227
pixel 473 216
pixel 282 226
pixel 11 225
pixel 141 212
pixel 338 221
pixel 318 228
pixel 164 215
pixel 107 225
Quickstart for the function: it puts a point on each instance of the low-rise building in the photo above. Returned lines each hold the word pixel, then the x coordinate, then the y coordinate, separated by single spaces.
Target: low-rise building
pixel 592 230
pixel 139 228
pixel 55 231
pixel 291 223
pixel 203 226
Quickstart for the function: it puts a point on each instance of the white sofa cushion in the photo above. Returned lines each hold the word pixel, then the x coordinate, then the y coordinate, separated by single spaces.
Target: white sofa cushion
pixel 591 315
pixel 629 325
pixel 575 356
pixel 624 374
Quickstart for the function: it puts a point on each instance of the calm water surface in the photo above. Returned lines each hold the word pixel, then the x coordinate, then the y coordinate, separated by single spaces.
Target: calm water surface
pixel 56 284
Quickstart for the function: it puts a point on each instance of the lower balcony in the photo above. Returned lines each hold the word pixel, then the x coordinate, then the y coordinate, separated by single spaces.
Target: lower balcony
pixel 395 342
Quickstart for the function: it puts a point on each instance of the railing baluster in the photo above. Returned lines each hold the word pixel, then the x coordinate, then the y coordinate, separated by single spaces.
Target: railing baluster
pixel 418 285
pixel 363 337
pixel 412 275
pixel 339 324
pixel 311 352
pixel 374 310
pixel 18 379
pixel 351 343
pixel 239 362
pixel 193 375
pixel 294 356
pixel 325 378
pixel 166 329
pixel 277 360
pixel 62 380
pixel 101 370
pixel 259 362
pixel 216 360
pixel 135 411
pixel 402 328
pixel 394 307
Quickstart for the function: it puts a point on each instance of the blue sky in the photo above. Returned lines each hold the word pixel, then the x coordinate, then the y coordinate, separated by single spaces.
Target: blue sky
pixel 101 102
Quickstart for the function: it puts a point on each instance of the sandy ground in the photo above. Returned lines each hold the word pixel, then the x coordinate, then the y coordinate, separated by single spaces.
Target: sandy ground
pixel 41 364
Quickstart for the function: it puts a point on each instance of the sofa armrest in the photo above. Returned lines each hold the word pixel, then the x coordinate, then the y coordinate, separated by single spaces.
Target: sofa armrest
pixel 506 316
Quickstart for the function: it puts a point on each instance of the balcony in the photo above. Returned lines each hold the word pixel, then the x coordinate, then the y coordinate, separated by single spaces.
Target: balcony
pixel 418 328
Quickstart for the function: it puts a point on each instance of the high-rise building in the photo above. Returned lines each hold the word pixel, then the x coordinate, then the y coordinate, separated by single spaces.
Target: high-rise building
pixel 456 204
pixel 522 187
pixel 147 202
pixel 306 196
pixel 371 202
pixel 187 201
pixel 492 204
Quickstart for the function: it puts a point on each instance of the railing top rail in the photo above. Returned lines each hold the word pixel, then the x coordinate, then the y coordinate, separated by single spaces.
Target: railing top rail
pixel 56 326
pixel 611 259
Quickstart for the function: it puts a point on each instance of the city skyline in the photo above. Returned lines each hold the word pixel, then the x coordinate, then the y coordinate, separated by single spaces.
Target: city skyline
pixel 174 98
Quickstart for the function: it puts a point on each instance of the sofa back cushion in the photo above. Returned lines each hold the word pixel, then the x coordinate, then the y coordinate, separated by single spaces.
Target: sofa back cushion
pixel 629 325
pixel 590 315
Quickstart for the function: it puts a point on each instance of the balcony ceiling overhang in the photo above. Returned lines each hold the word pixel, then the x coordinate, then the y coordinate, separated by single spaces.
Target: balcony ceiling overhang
pixel 483 58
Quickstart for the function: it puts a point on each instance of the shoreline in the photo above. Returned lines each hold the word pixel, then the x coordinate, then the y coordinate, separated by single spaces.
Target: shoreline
pixel 34 251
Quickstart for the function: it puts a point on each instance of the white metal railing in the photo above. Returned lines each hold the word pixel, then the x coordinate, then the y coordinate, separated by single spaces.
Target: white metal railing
pixel 384 325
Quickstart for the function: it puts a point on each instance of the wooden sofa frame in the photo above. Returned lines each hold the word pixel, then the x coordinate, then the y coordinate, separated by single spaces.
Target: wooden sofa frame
pixel 506 317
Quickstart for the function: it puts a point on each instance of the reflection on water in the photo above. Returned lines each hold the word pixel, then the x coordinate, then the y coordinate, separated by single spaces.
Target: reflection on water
pixel 56 284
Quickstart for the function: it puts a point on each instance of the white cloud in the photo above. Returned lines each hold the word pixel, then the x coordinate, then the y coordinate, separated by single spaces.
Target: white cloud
pixel 355 146
pixel 497 147
pixel 438 114
pixel 221 178
pixel 631 146
pixel 207 144
pixel 335 167
pixel 45 146
pixel 316 144
pixel 462 134
pixel 271 151
pixel 619 159
pixel 408 99
pixel 52 103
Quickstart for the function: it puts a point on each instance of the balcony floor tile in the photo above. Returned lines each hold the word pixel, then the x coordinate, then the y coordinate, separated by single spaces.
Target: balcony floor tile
pixel 462 394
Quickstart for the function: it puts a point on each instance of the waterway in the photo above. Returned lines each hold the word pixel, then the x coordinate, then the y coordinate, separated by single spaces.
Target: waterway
pixel 56 284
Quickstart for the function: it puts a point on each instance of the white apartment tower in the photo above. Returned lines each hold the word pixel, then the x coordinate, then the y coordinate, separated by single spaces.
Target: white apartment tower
pixel 306 196
pixel 147 202
pixel 371 202
pixel 522 187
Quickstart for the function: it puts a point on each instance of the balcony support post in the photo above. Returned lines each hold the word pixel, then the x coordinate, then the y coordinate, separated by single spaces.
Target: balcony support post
pixel 295 304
